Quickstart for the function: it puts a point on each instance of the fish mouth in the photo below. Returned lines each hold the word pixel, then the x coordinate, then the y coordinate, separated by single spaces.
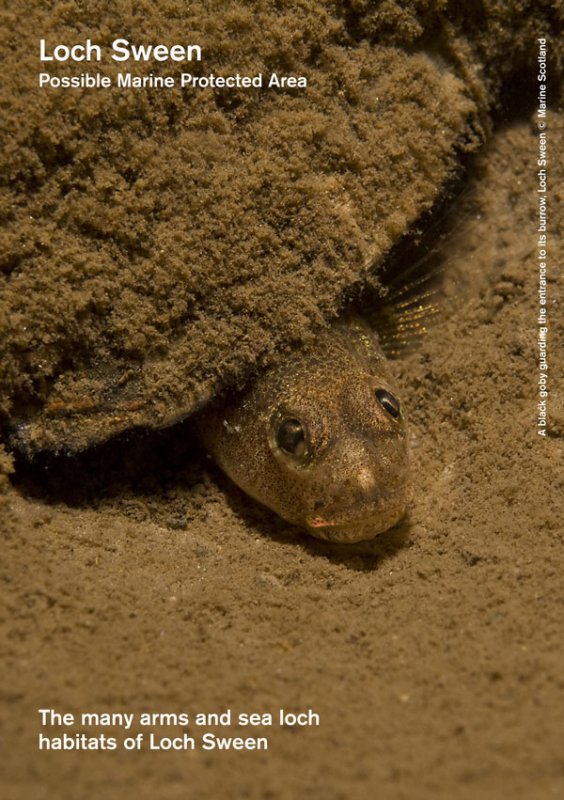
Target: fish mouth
pixel 354 529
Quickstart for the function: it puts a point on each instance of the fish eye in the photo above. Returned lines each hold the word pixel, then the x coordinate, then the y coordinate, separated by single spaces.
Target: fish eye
pixel 389 402
pixel 291 437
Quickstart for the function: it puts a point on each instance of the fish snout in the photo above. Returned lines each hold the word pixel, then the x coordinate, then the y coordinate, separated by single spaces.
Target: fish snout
pixel 362 493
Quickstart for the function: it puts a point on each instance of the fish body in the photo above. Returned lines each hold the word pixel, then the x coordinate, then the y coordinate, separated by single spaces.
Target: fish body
pixel 320 437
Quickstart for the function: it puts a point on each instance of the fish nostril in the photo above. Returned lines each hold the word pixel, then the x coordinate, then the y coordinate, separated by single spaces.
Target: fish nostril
pixel 317 505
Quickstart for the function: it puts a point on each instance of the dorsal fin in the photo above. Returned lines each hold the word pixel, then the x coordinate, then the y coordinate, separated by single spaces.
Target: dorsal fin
pixel 410 296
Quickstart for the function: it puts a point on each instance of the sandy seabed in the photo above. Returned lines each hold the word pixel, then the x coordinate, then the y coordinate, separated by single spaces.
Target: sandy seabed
pixel 433 655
